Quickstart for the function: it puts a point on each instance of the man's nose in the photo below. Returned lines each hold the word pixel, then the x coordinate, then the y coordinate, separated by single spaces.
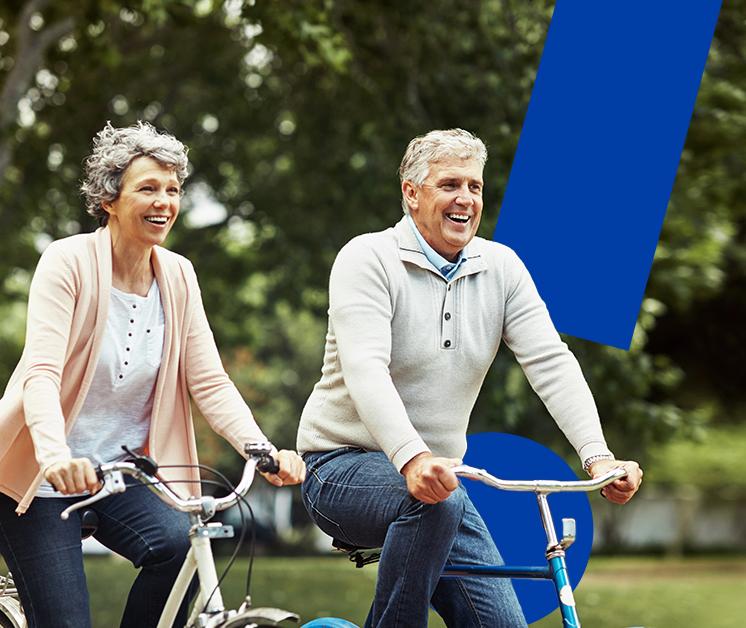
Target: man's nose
pixel 464 197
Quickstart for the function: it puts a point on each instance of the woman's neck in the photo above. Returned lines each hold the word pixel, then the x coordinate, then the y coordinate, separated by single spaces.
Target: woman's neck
pixel 132 271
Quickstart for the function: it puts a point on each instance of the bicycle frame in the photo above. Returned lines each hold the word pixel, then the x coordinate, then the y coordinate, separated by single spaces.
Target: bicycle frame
pixel 209 610
pixel 200 559
pixel 556 569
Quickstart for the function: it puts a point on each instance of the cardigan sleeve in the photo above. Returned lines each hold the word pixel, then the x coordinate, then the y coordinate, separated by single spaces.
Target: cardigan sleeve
pixel 551 368
pixel 361 312
pixel 51 305
pixel 213 391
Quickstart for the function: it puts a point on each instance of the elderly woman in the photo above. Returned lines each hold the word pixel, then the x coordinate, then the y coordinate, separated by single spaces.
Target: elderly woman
pixel 117 341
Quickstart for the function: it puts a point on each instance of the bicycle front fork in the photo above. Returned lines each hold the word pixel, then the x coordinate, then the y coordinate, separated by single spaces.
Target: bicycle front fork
pixel 561 580
pixel 557 565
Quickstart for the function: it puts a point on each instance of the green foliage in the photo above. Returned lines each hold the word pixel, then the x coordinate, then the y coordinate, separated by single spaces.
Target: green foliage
pixel 715 463
pixel 296 114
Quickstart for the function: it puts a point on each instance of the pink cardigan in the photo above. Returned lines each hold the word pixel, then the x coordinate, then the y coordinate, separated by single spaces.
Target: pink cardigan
pixel 67 311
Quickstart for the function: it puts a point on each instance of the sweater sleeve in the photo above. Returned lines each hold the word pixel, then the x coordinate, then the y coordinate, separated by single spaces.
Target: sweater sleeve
pixel 551 368
pixel 213 391
pixel 361 311
pixel 51 305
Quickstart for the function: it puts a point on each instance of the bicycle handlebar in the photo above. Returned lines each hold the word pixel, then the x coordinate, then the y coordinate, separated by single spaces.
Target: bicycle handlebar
pixel 540 486
pixel 113 482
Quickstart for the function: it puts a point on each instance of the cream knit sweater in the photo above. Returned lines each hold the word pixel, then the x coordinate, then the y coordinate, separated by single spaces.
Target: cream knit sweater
pixel 407 351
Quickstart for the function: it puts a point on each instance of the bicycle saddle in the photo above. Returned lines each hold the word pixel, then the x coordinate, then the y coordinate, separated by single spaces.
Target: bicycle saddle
pixel 361 556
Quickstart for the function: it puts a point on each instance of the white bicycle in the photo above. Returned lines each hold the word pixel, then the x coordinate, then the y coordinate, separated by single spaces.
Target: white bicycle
pixel 209 610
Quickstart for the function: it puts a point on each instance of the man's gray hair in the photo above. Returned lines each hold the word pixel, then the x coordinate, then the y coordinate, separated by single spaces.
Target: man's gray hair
pixel 436 146
pixel 113 152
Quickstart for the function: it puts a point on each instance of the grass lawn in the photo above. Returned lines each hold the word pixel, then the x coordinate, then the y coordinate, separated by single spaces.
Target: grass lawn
pixel 615 592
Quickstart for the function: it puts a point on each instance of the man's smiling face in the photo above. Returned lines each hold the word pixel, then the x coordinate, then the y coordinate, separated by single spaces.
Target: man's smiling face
pixel 447 206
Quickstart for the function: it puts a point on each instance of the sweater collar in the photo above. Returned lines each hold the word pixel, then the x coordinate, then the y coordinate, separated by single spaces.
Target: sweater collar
pixel 410 251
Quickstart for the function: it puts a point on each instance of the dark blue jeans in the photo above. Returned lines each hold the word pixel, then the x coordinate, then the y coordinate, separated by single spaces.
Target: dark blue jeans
pixel 44 554
pixel 358 497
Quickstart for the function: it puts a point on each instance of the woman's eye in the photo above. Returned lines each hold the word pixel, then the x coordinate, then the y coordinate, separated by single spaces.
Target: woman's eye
pixel 146 188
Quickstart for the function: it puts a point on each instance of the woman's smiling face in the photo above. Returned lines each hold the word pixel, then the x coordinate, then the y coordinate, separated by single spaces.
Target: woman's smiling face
pixel 148 203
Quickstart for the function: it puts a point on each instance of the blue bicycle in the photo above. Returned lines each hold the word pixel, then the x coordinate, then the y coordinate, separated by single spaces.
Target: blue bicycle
pixel 556 568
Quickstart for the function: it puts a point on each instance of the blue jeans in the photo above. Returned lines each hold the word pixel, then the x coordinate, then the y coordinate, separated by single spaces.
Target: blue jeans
pixel 44 554
pixel 359 498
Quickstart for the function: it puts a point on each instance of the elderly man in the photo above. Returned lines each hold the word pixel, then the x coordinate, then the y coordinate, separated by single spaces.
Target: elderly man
pixel 416 315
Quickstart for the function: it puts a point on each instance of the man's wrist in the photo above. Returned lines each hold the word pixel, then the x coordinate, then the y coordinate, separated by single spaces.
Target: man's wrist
pixel 590 461
pixel 414 460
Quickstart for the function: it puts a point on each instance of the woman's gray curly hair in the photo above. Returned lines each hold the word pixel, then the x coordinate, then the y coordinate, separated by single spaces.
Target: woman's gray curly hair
pixel 436 146
pixel 113 151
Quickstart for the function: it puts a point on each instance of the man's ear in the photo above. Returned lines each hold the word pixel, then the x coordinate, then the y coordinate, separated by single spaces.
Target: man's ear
pixel 410 194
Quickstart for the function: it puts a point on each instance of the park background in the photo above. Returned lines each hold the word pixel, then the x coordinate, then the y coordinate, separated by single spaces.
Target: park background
pixel 297 114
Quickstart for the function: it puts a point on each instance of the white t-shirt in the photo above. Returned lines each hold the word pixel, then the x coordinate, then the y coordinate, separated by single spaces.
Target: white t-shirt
pixel 119 402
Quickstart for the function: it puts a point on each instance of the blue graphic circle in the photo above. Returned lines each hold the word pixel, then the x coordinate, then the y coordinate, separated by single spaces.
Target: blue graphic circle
pixel 513 518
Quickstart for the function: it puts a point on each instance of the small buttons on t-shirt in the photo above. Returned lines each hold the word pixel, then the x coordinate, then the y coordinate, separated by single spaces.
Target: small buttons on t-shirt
pixel 147 330
pixel 127 349
pixel 121 376
pixel 132 320
pixel 447 344
pixel 447 316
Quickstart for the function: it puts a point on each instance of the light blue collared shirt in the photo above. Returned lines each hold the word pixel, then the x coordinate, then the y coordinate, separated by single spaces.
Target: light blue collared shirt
pixel 446 268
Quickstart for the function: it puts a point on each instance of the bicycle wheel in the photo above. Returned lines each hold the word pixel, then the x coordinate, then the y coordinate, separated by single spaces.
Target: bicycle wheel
pixel 262 617
pixel 11 615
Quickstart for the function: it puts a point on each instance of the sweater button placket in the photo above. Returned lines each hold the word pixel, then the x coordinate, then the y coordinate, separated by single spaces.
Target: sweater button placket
pixel 447 322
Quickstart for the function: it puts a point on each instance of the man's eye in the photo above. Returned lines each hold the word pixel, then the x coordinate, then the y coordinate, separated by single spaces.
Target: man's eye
pixel 448 186
pixel 173 190
pixel 475 187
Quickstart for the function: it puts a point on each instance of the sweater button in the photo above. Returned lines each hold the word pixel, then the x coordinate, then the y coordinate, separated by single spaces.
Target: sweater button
pixel 447 344
pixel 447 316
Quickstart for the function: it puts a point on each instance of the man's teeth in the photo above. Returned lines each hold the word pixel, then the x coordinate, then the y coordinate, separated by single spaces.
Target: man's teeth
pixel 458 217
pixel 157 220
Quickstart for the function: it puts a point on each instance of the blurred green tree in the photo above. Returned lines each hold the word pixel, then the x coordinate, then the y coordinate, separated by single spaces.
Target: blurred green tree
pixel 296 114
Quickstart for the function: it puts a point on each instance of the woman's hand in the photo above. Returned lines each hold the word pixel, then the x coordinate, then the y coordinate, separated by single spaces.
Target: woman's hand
pixel 292 469
pixel 72 476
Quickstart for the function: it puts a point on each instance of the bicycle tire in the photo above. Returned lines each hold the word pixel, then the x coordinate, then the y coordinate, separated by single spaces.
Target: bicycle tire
pixel 11 615
pixel 256 618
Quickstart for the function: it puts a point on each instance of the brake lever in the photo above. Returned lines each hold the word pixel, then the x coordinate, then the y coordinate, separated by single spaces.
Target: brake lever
pixel 113 483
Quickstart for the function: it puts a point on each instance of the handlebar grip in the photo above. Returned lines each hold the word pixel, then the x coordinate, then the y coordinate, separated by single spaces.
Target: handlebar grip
pixel 267 464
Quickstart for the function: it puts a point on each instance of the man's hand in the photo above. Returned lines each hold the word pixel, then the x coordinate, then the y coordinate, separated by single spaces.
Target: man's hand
pixel 292 469
pixel 619 491
pixel 72 476
pixel 429 478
